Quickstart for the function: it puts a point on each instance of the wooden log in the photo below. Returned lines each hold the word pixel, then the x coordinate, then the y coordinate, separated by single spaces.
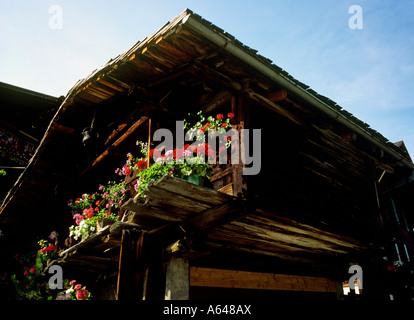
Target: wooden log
pixel 215 216
pixel 130 130
pixel 175 199
pixel 275 107
pixel 251 250
pixel 203 71
pixel 147 214
pixel 220 278
pixel 89 242
pixel 277 95
pixel 217 101
pixel 192 191
pixel 293 226
pixel 227 189
pixel 221 173
pixel 117 227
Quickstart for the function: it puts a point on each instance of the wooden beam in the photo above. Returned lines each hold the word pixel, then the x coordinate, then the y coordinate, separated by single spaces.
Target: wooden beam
pixel 116 228
pixel 217 101
pixel 241 108
pixel 130 130
pixel 91 241
pixel 131 270
pixel 204 72
pixel 275 107
pixel 220 278
pixel 277 95
pixel 216 215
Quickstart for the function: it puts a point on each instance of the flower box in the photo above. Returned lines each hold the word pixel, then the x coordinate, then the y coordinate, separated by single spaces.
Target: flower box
pixel 100 224
pixel 195 178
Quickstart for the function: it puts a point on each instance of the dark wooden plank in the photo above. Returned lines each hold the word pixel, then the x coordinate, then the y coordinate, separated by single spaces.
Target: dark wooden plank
pixel 208 277
pixel 147 214
pixel 89 242
pixel 117 227
pixel 217 215
pixel 175 199
pixel 192 191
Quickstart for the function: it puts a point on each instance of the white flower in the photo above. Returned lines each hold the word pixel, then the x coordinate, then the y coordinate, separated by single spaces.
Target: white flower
pixel 92 228
pixel 69 290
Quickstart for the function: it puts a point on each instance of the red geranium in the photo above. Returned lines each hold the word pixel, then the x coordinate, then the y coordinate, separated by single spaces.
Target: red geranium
pixel 220 116
pixel 81 294
pixel 141 165
pixel 230 115
pixel 51 247
pixel 127 171
pixel 88 213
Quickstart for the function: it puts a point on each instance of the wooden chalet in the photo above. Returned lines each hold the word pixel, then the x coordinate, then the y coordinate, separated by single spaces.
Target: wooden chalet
pixel 331 191
pixel 25 115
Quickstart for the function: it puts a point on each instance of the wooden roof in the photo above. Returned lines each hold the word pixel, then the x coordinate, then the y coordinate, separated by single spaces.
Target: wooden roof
pixel 177 46
pixel 152 67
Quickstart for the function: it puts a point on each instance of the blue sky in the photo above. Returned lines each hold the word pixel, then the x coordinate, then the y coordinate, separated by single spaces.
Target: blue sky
pixel 369 71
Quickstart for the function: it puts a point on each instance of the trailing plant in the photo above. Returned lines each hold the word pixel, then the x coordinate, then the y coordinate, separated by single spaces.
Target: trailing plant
pixel 28 282
pixel 90 208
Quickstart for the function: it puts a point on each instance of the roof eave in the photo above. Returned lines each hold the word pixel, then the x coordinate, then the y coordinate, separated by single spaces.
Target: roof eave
pixel 193 23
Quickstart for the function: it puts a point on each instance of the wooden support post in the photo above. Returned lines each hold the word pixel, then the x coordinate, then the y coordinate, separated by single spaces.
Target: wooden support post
pixel 240 107
pixel 132 266
pixel 177 282
pixel 154 286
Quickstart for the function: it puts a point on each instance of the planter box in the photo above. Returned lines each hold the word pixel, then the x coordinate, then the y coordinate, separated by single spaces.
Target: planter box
pixel 103 223
pixel 195 178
